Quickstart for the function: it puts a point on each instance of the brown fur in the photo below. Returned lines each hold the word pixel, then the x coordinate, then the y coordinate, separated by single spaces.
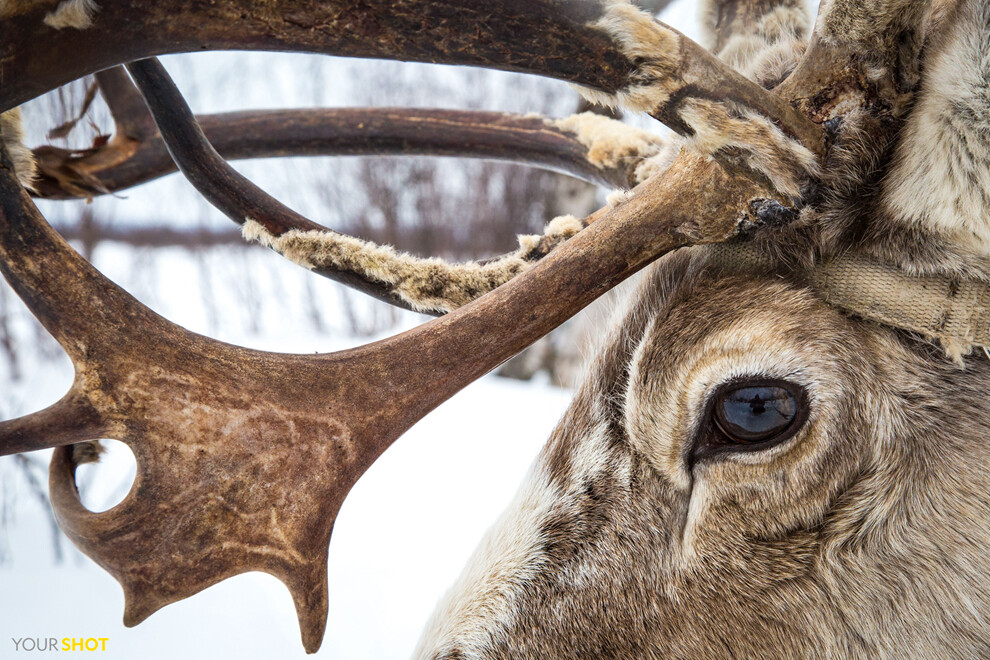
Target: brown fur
pixel 865 535
pixel 761 39
pixel 426 285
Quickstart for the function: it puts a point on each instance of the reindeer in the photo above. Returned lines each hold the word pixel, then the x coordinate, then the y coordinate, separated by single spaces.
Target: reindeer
pixel 780 448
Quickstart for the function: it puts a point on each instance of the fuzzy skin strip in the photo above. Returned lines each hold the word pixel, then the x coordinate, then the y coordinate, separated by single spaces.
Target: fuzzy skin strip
pixel 764 148
pixel 613 144
pixel 655 49
pixel 427 285
pixel 12 134
pixel 76 14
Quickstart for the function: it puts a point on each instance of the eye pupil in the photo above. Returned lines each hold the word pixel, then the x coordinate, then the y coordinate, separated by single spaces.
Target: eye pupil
pixel 755 413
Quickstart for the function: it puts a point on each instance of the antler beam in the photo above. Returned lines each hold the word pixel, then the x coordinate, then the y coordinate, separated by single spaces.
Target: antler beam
pixel 546 37
pixel 614 50
pixel 537 141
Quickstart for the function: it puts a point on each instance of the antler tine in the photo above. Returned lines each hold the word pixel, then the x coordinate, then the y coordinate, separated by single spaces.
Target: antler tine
pixel 70 420
pixel 556 145
pixel 225 188
pixel 426 285
pixel 244 457
pixel 130 115
pixel 617 52
pixel 861 55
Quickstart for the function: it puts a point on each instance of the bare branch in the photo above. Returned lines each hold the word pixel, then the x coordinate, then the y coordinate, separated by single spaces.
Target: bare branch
pixel 568 147
pixel 65 128
pixel 150 235
pixel 654 6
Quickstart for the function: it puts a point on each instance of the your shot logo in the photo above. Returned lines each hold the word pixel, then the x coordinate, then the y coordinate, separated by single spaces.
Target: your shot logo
pixel 48 644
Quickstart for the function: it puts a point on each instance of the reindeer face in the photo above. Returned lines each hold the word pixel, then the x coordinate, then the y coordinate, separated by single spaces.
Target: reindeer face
pixel 646 530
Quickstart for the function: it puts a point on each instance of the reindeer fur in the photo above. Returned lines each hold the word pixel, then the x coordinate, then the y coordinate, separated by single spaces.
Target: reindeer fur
pixel 620 547
pixel 12 134
pixel 426 285
pixel 76 14
pixel 766 41
pixel 611 143
pixel 941 181
pixel 865 535
pixel 653 47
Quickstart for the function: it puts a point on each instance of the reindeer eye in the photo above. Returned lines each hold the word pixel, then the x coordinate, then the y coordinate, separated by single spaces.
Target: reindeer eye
pixel 753 414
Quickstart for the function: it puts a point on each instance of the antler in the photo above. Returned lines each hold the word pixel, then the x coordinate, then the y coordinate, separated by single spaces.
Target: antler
pixel 402 280
pixel 537 141
pixel 136 153
pixel 244 457
pixel 615 51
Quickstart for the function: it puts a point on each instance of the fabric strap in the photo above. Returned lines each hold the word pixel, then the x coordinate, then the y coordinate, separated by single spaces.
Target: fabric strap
pixel 955 312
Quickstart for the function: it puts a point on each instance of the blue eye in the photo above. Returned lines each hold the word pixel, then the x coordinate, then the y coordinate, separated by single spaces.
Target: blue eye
pixel 758 411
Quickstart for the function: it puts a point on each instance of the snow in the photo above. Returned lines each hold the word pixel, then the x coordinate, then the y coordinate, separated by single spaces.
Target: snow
pixel 401 537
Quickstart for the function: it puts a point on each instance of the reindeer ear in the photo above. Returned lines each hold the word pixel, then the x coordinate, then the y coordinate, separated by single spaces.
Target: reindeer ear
pixel 939 180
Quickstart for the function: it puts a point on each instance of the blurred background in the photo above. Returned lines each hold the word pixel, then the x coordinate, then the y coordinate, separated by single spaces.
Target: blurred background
pixel 411 523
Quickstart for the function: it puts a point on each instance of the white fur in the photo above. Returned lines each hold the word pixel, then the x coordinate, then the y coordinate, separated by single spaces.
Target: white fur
pixel 785 162
pixel 22 157
pixel 76 14
pixel 643 40
pixel 614 144
pixel 411 278
pixel 481 601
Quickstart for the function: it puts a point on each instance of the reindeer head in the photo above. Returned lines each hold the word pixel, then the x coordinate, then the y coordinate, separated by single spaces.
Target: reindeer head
pixel 746 472
pixel 777 451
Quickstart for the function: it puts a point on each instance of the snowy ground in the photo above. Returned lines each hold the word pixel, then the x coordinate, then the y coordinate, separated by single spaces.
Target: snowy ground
pixel 402 536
